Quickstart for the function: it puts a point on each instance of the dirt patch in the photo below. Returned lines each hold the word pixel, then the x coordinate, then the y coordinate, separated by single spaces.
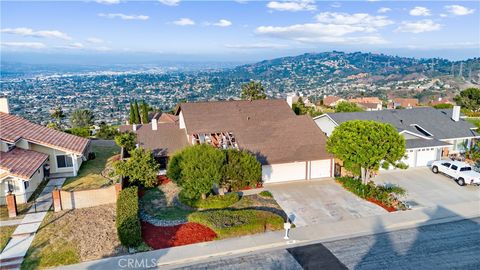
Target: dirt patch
pixel 92 230
pixel 258 202
pixel 170 190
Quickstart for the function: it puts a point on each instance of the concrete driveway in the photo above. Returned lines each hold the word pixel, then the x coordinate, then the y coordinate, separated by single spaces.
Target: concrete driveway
pixel 426 189
pixel 320 201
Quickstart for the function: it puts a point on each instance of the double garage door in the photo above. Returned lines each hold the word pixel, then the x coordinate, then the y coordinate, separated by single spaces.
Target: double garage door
pixel 296 171
pixel 420 157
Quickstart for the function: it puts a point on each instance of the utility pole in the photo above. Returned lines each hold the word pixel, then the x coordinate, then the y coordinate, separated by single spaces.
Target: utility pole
pixel 460 73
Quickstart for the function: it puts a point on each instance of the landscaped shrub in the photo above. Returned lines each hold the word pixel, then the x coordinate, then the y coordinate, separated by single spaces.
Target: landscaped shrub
pixel 128 221
pixel 241 170
pixel 386 195
pixel 212 201
pixel 266 194
pixel 233 223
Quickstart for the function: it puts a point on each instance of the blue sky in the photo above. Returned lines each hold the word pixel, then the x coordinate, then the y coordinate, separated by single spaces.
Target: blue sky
pixel 237 30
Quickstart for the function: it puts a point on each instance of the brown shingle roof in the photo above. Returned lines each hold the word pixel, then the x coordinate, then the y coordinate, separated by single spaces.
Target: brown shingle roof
pixel 329 100
pixel 166 140
pixel 13 128
pixel 167 118
pixel 268 128
pixel 21 163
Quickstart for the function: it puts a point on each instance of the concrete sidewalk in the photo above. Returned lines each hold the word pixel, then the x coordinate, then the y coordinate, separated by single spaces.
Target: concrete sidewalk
pixel 21 239
pixel 170 257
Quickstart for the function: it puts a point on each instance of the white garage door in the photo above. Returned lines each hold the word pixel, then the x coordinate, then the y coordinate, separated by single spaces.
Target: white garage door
pixel 425 156
pixel 283 172
pixel 320 168
pixel 410 160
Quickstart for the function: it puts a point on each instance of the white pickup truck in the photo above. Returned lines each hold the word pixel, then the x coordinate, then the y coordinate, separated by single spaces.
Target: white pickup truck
pixel 462 172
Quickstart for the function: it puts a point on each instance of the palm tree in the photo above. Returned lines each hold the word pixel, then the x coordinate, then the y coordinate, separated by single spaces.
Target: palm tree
pixel 58 115
pixel 81 118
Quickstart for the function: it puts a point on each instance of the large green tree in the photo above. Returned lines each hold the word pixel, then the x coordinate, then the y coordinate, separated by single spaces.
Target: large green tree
pixel 469 99
pixel 253 90
pixel 364 146
pixel 81 118
pixel 140 168
pixel 145 109
pixel 196 169
pixel 106 132
pixel 127 140
pixel 136 112
pixel 346 106
pixel 300 108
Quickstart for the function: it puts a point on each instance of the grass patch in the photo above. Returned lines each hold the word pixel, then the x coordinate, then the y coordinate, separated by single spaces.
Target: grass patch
pixel 90 174
pixel 475 121
pixel 5 233
pixel 155 205
pixel 233 223
pixel 266 194
pixel 212 201
pixel 49 250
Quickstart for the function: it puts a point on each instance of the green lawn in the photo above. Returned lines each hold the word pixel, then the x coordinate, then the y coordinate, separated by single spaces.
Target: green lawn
pixel 475 121
pixel 89 176
pixel 5 233
pixel 155 204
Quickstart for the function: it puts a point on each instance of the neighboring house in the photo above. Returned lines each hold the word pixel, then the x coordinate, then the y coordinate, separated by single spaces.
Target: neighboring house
pixel 368 103
pixel 288 146
pixel 25 149
pixel 441 101
pixel 407 103
pixel 332 101
pixel 429 133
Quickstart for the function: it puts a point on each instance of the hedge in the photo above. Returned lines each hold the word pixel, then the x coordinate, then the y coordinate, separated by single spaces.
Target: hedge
pixel 234 223
pixel 212 201
pixel 379 193
pixel 128 221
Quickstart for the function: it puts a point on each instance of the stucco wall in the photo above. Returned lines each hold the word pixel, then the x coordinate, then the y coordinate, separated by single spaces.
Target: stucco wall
pixel 53 160
pixel 88 198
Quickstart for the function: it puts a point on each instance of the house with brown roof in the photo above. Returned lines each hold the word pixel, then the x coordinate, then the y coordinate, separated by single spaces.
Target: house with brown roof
pixel 288 146
pixel 407 103
pixel 27 150
pixel 368 103
pixel 332 101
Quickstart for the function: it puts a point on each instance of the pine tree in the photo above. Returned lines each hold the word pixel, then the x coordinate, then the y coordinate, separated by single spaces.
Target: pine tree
pixel 137 113
pixel 144 112
pixel 132 114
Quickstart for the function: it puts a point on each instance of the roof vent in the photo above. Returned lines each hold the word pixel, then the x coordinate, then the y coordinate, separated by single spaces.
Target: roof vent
pixel 456 113
pixel 4 105
pixel 134 127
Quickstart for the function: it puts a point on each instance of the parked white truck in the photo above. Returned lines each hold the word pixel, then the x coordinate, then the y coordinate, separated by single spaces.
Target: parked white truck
pixel 461 172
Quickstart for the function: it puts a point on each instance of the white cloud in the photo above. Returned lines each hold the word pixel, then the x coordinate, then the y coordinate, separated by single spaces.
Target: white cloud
pixel 223 23
pixel 184 22
pixel 95 40
pixel 124 16
pixel 296 5
pixel 418 26
pixel 25 45
pixel 369 22
pixel 336 5
pixel 332 27
pixel 75 45
pixel 384 10
pixel 459 10
pixel 420 11
pixel 255 46
pixel 170 2
pixel 28 32
pixel 108 2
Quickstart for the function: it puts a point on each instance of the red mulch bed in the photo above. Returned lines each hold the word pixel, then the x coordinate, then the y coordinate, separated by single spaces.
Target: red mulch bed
pixel 259 185
pixel 173 236
pixel 379 203
pixel 163 179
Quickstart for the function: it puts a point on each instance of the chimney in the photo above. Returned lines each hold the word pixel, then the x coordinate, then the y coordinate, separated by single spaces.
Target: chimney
pixel 456 113
pixel 154 124
pixel 290 100
pixel 134 127
pixel 4 105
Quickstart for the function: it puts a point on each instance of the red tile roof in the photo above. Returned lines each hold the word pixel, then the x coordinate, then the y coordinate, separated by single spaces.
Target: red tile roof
pixel 329 100
pixel 13 128
pixel 21 163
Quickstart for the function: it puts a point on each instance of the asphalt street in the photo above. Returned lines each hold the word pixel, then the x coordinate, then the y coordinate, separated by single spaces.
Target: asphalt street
pixel 454 245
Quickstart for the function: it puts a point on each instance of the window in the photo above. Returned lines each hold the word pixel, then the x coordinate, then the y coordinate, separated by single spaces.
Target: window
pixel 454 167
pixel 64 161
pixel 465 169
pixel 446 164
pixel 26 184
